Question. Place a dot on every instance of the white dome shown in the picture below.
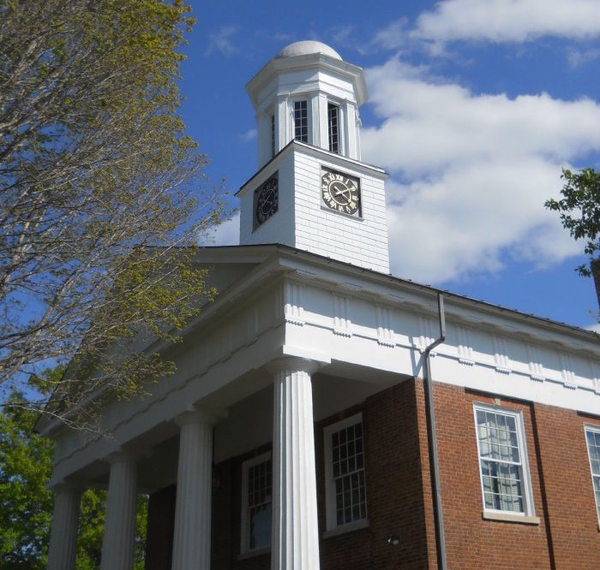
(307, 47)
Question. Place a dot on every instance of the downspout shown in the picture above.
(432, 433)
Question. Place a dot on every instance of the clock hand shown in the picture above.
(342, 191)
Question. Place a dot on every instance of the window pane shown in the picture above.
(260, 526)
(272, 135)
(348, 474)
(333, 127)
(500, 461)
(259, 504)
(301, 121)
(593, 444)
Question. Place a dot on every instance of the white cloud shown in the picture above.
(221, 41)
(249, 135)
(579, 58)
(471, 173)
(509, 20)
(227, 233)
(393, 36)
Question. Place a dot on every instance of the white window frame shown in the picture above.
(338, 108)
(527, 493)
(595, 476)
(272, 127)
(332, 524)
(307, 101)
(245, 530)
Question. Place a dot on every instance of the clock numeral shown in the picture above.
(340, 193)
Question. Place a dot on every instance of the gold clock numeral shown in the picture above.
(340, 193)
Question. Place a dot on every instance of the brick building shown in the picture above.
(326, 414)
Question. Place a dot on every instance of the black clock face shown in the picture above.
(340, 193)
(267, 200)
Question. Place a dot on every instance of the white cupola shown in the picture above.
(308, 93)
(311, 190)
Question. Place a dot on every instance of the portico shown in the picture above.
(249, 383)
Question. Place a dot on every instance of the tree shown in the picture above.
(580, 214)
(26, 504)
(100, 202)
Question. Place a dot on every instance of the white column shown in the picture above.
(295, 535)
(191, 541)
(119, 531)
(351, 130)
(65, 522)
(320, 125)
(284, 132)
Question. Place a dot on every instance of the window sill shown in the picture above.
(255, 552)
(511, 518)
(350, 527)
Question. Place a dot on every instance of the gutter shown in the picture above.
(432, 439)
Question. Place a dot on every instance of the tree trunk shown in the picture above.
(595, 267)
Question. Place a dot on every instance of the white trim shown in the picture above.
(341, 127)
(245, 522)
(330, 502)
(527, 492)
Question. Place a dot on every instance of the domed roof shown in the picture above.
(307, 47)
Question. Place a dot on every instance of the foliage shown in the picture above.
(100, 201)
(26, 504)
(580, 214)
(91, 529)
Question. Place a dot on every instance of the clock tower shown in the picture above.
(312, 191)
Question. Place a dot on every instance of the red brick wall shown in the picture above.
(395, 494)
(395, 483)
(471, 542)
(570, 503)
(399, 495)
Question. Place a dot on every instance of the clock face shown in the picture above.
(340, 193)
(267, 200)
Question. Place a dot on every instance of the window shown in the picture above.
(301, 121)
(333, 127)
(503, 461)
(345, 473)
(272, 136)
(592, 436)
(257, 477)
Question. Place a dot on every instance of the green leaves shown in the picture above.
(26, 504)
(579, 210)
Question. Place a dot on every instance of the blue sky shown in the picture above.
(475, 106)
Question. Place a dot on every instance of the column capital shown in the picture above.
(295, 538)
(199, 415)
(118, 542)
(65, 521)
(124, 455)
(191, 535)
(293, 364)
(63, 486)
